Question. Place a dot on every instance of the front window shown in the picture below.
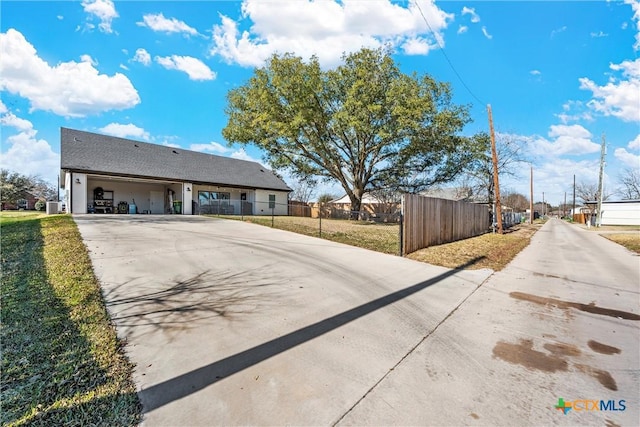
(214, 202)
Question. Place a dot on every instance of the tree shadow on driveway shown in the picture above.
(183, 303)
(183, 385)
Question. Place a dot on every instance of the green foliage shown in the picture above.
(364, 124)
(15, 186)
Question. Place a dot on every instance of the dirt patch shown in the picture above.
(603, 348)
(474, 416)
(524, 354)
(588, 308)
(604, 377)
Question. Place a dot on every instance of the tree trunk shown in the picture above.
(356, 204)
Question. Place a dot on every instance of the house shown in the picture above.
(27, 201)
(106, 174)
(382, 207)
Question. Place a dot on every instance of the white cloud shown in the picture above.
(558, 31)
(25, 153)
(3, 108)
(124, 67)
(241, 154)
(142, 56)
(635, 7)
(417, 46)
(88, 59)
(325, 28)
(125, 131)
(598, 34)
(574, 111)
(171, 144)
(471, 11)
(618, 98)
(629, 159)
(212, 147)
(10, 120)
(486, 33)
(104, 10)
(462, 29)
(567, 140)
(535, 72)
(68, 89)
(635, 144)
(60, 17)
(159, 23)
(196, 69)
(624, 25)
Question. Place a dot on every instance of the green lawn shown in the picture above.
(378, 237)
(62, 363)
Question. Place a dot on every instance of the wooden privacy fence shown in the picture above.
(430, 221)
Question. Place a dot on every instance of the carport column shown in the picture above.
(187, 196)
(78, 193)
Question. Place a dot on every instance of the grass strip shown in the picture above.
(62, 363)
(630, 241)
(497, 249)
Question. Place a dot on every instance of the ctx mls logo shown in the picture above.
(590, 405)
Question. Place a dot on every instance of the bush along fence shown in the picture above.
(430, 221)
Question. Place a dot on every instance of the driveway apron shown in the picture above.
(230, 323)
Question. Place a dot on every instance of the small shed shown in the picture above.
(621, 212)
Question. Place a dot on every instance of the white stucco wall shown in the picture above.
(261, 203)
(187, 198)
(66, 197)
(78, 189)
(621, 213)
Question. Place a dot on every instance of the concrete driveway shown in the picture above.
(231, 323)
(562, 320)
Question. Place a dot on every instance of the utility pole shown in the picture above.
(544, 206)
(564, 206)
(573, 212)
(496, 182)
(603, 151)
(531, 198)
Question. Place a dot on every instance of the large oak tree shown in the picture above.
(364, 124)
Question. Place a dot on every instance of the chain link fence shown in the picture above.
(376, 229)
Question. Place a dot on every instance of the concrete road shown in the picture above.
(231, 323)
(561, 321)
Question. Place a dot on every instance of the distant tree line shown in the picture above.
(15, 186)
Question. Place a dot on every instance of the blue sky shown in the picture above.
(557, 74)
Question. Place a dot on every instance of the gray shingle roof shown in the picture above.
(94, 153)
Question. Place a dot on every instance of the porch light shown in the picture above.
(188, 189)
(77, 180)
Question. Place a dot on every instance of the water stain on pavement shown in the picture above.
(598, 347)
(588, 308)
(562, 349)
(603, 377)
(524, 354)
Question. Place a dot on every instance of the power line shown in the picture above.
(445, 54)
